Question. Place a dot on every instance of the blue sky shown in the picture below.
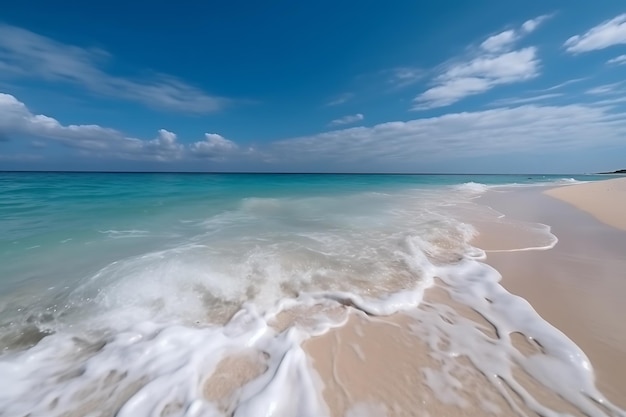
(324, 86)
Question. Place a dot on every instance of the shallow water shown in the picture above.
(122, 293)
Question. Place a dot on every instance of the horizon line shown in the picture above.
(289, 173)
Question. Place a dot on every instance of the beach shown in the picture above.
(313, 295)
(313, 209)
(577, 286)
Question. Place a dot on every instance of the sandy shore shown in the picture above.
(579, 285)
(604, 200)
(383, 366)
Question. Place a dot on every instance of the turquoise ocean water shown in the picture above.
(87, 259)
(56, 228)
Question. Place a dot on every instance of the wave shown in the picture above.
(145, 334)
(472, 187)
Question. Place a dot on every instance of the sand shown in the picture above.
(378, 364)
(604, 200)
(579, 285)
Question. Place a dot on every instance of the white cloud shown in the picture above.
(340, 99)
(164, 147)
(214, 147)
(525, 100)
(461, 136)
(346, 120)
(16, 120)
(24, 53)
(606, 89)
(565, 83)
(608, 33)
(618, 60)
(529, 128)
(479, 75)
(611, 101)
(495, 62)
(499, 42)
(505, 40)
(506, 67)
(532, 24)
(450, 92)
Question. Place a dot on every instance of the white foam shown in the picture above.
(570, 181)
(472, 187)
(547, 238)
(539, 184)
(561, 366)
(143, 335)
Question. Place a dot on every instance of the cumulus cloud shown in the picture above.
(164, 147)
(608, 33)
(500, 131)
(214, 147)
(618, 60)
(495, 62)
(24, 53)
(469, 134)
(16, 120)
(347, 120)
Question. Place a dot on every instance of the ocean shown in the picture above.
(121, 293)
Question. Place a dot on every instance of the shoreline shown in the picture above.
(578, 284)
(482, 311)
(604, 200)
(400, 367)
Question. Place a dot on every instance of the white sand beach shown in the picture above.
(381, 364)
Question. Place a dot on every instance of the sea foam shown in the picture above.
(143, 335)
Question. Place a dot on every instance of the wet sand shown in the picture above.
(579, 285)
(382, 366)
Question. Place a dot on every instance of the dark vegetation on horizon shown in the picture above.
(619, 171)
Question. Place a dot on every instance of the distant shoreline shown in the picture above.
(619, 171)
